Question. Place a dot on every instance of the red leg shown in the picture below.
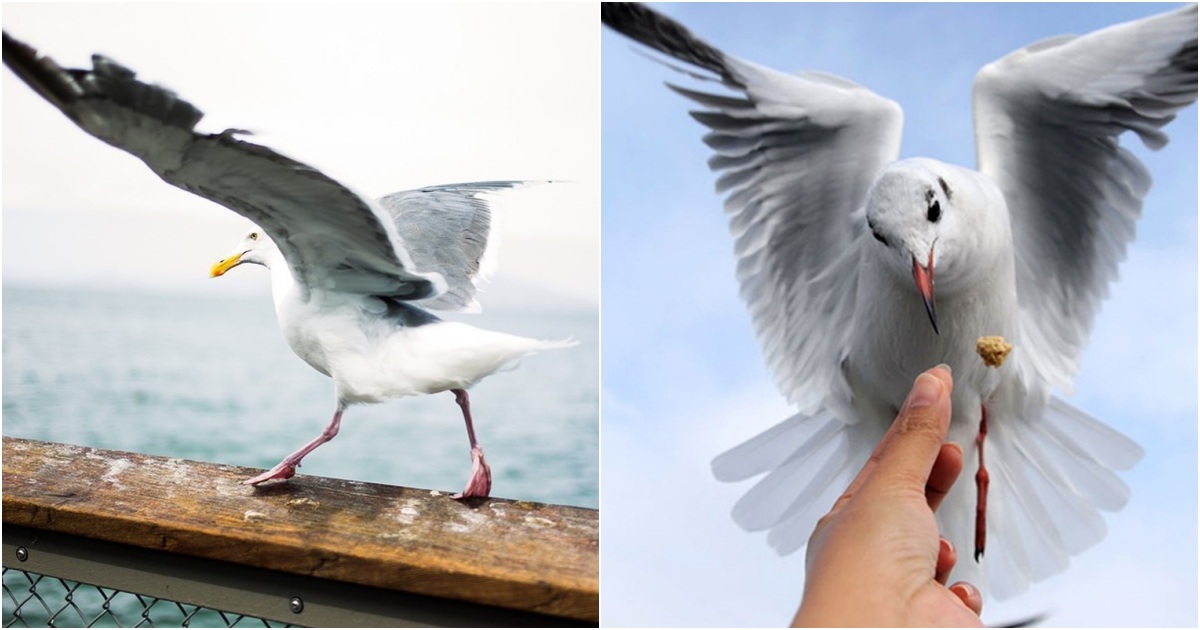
(480, 483)
(981, 485)
(286, 468)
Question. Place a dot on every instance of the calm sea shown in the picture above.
(211, 379)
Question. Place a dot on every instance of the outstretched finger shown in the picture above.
(911, 447)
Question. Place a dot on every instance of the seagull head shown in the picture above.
(912, 215)
(256, 248)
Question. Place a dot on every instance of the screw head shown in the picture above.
(22, 554)
(296, 605)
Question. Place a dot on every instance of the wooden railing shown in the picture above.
(495, 561)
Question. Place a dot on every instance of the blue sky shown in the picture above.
(683, 379)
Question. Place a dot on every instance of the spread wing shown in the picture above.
(1047, 121)
(331, 237)
(449, 230)
(796, 154)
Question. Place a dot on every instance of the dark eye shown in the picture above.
(254, 236)
(935, 212)
(879, 237)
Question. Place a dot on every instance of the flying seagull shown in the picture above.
(351, 278)
(860, 271)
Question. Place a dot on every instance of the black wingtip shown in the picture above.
(42, 74)
(651, 28)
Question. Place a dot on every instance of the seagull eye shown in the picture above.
(935, 212)
(254, 236)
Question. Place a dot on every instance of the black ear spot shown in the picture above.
(935, 212)
(945, 187)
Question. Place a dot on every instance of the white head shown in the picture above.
(927, 215)
(256, 247)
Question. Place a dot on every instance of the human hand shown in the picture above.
(876, 559)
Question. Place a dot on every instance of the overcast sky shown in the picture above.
(683, 379)
(384, 97)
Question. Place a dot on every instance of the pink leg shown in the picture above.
(981, 486)
(480, 483)
(286, 468)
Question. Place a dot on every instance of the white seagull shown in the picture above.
(832, 234)
(351, 278)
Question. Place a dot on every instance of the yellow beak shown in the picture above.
(224, 265)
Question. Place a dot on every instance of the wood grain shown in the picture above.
(516, 554)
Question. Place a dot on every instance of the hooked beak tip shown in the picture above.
(923, 276)
(223, 265)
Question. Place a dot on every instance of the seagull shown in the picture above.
(861, 270)
(352, 279)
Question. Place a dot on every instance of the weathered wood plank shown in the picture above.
(516, 554)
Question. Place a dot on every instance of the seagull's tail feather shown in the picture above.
(555, 344)
(809, 461)
(526, 346)
(1050, 478)
(1051, 475)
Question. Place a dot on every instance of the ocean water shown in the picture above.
(210, 378)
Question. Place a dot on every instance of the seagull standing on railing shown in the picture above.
(351, 278)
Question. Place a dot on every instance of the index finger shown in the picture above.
(910, 447)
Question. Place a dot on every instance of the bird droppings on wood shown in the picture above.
(538, 522)
(408, 515)
(115, 468)
(304, 502)
(252, 515)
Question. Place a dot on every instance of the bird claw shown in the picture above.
(281, 471)
(480, 484)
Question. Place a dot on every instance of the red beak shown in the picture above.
(923, 276)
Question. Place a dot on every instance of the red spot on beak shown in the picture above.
(923, 276)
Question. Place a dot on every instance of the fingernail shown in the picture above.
(966, 588)
(945, 367)
(925, 392)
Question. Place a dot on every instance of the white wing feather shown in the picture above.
(1047, 120)
(796, 154)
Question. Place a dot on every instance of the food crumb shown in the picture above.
(993, 350)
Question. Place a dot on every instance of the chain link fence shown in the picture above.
(32, 600)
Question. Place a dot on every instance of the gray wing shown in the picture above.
(331, 237)
(797, 154)
(1047, 121)
(449, 230)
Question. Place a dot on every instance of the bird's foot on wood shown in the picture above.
(480, 484)
(282, 470)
